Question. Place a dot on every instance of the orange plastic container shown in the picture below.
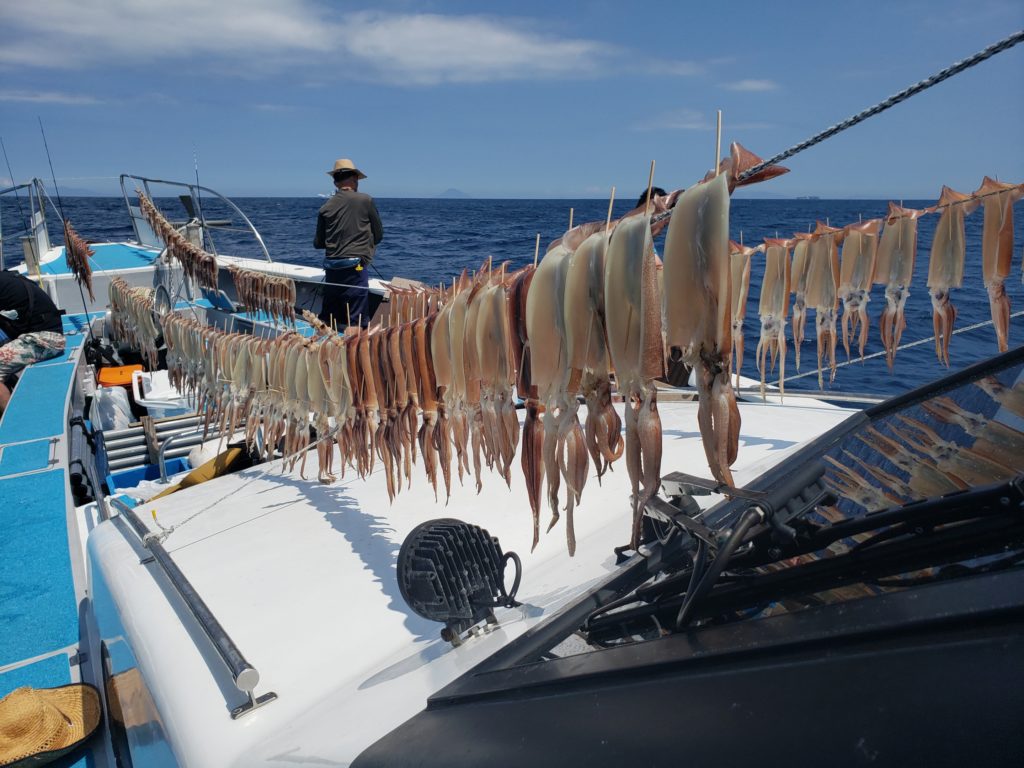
(117, 376)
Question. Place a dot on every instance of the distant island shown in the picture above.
(452, 192)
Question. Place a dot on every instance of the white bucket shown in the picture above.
(154, 392)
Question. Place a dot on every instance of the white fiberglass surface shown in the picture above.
(302, 577)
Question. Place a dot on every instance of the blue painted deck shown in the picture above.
(38, 609)
(45, 673)
(36, 409)
(38, 604)
(24, 457)
(108, 257)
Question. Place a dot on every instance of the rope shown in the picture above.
(974, 327)
(892, 101)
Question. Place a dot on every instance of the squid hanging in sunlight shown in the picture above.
(773, 307)
(739, 265)
(545, 326)
(997, 250)
(798, 286)
(894, 268)
(588, 354)
(698, 325)
(823, 292)
(856, 274)
(946, 264)
(633, 322)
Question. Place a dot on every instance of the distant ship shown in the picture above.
(808, 197)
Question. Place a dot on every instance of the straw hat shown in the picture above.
(344, 164)
(39, 725)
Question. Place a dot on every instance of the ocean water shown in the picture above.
(433, 240)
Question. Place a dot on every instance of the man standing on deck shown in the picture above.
(348, 227)
(30, 329)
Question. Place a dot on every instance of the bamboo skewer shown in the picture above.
(650, 182)
(718, 144)
(611, 202)
(536, 251)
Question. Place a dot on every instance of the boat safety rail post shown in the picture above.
(166, 444)
(245, 676)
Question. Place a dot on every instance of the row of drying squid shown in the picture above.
(442, 373)
(77, 253)
(932, 465)
(199, 265)
(131, 316)
(261, 292)
(872, 255)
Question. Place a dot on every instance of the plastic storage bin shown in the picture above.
(154, 392)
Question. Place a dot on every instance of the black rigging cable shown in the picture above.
(892, 101)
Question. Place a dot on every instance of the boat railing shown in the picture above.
(245, 676)
(192, 201)
(31, 229)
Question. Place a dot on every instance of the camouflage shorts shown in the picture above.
(27, 349)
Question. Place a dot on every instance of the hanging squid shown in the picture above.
(773, 307)
(697, 320)
(856, 275)
(739, 261)
(946, 264)
(823, 292)
(997, 250)
(894, 268)
(545, 324)
(633, 321)
(798, 286)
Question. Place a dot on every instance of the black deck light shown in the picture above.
(454, 572)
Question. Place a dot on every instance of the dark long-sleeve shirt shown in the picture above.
(348, 226)
(35, 310)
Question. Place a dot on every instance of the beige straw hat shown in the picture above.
(39, 725)
(344, 164)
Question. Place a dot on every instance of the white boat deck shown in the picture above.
(302, 577)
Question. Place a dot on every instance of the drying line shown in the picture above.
(974, 327)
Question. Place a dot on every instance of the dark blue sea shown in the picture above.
(434, 239)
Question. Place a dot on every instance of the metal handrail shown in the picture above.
(161, 454)
(244, 674)
(37, 230)
(193, 190)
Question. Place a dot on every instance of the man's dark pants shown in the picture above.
(350, 288)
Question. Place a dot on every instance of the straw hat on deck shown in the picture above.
(39, 725)
(344, 164)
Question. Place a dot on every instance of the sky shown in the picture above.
(511, 100)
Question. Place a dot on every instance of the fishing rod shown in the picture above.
(199, 195)
(17, 197)
(64, 220)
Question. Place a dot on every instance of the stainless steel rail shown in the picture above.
(191, 438)
(194, 191)
(245, 676)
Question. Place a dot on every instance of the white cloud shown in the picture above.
(677, 120)
(426, 49)
(274, 35)
(69, 33)
(753, 85)
(692, 120)
(48, 97)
